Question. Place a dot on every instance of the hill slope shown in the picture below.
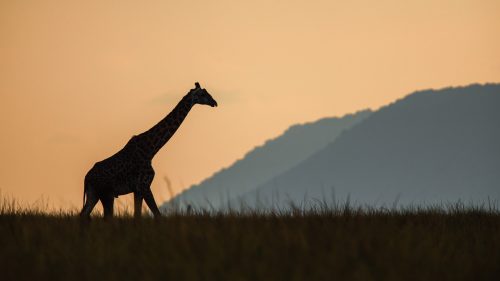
(267, 161)
(430, 147)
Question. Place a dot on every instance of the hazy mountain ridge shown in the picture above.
(432, 146)
(267, 161)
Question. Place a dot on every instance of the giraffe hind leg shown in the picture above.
(107, 204)
(92, 200)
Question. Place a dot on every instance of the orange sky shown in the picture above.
(78, 79)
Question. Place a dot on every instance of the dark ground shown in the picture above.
(343, 244)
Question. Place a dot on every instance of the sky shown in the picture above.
(79, 78)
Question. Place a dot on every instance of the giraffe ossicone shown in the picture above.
(129, 170)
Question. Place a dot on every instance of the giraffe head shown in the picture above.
(200, 96)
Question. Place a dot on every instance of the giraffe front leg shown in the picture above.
(150, 201)
(137, 204)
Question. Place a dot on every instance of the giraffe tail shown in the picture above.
(84, 195)
(85, 184)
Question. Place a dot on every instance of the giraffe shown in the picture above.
(130, 170)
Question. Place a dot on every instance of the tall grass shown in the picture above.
(343, 242)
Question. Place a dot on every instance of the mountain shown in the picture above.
(265, 162)
(431, 147)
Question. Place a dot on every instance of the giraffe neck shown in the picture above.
(155, 138)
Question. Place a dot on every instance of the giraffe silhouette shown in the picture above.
(130, 170)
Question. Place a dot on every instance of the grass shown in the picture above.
(454, 242)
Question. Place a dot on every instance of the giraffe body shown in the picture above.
(129, 170)
(122, 172)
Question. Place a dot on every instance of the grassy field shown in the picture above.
(452, 243)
